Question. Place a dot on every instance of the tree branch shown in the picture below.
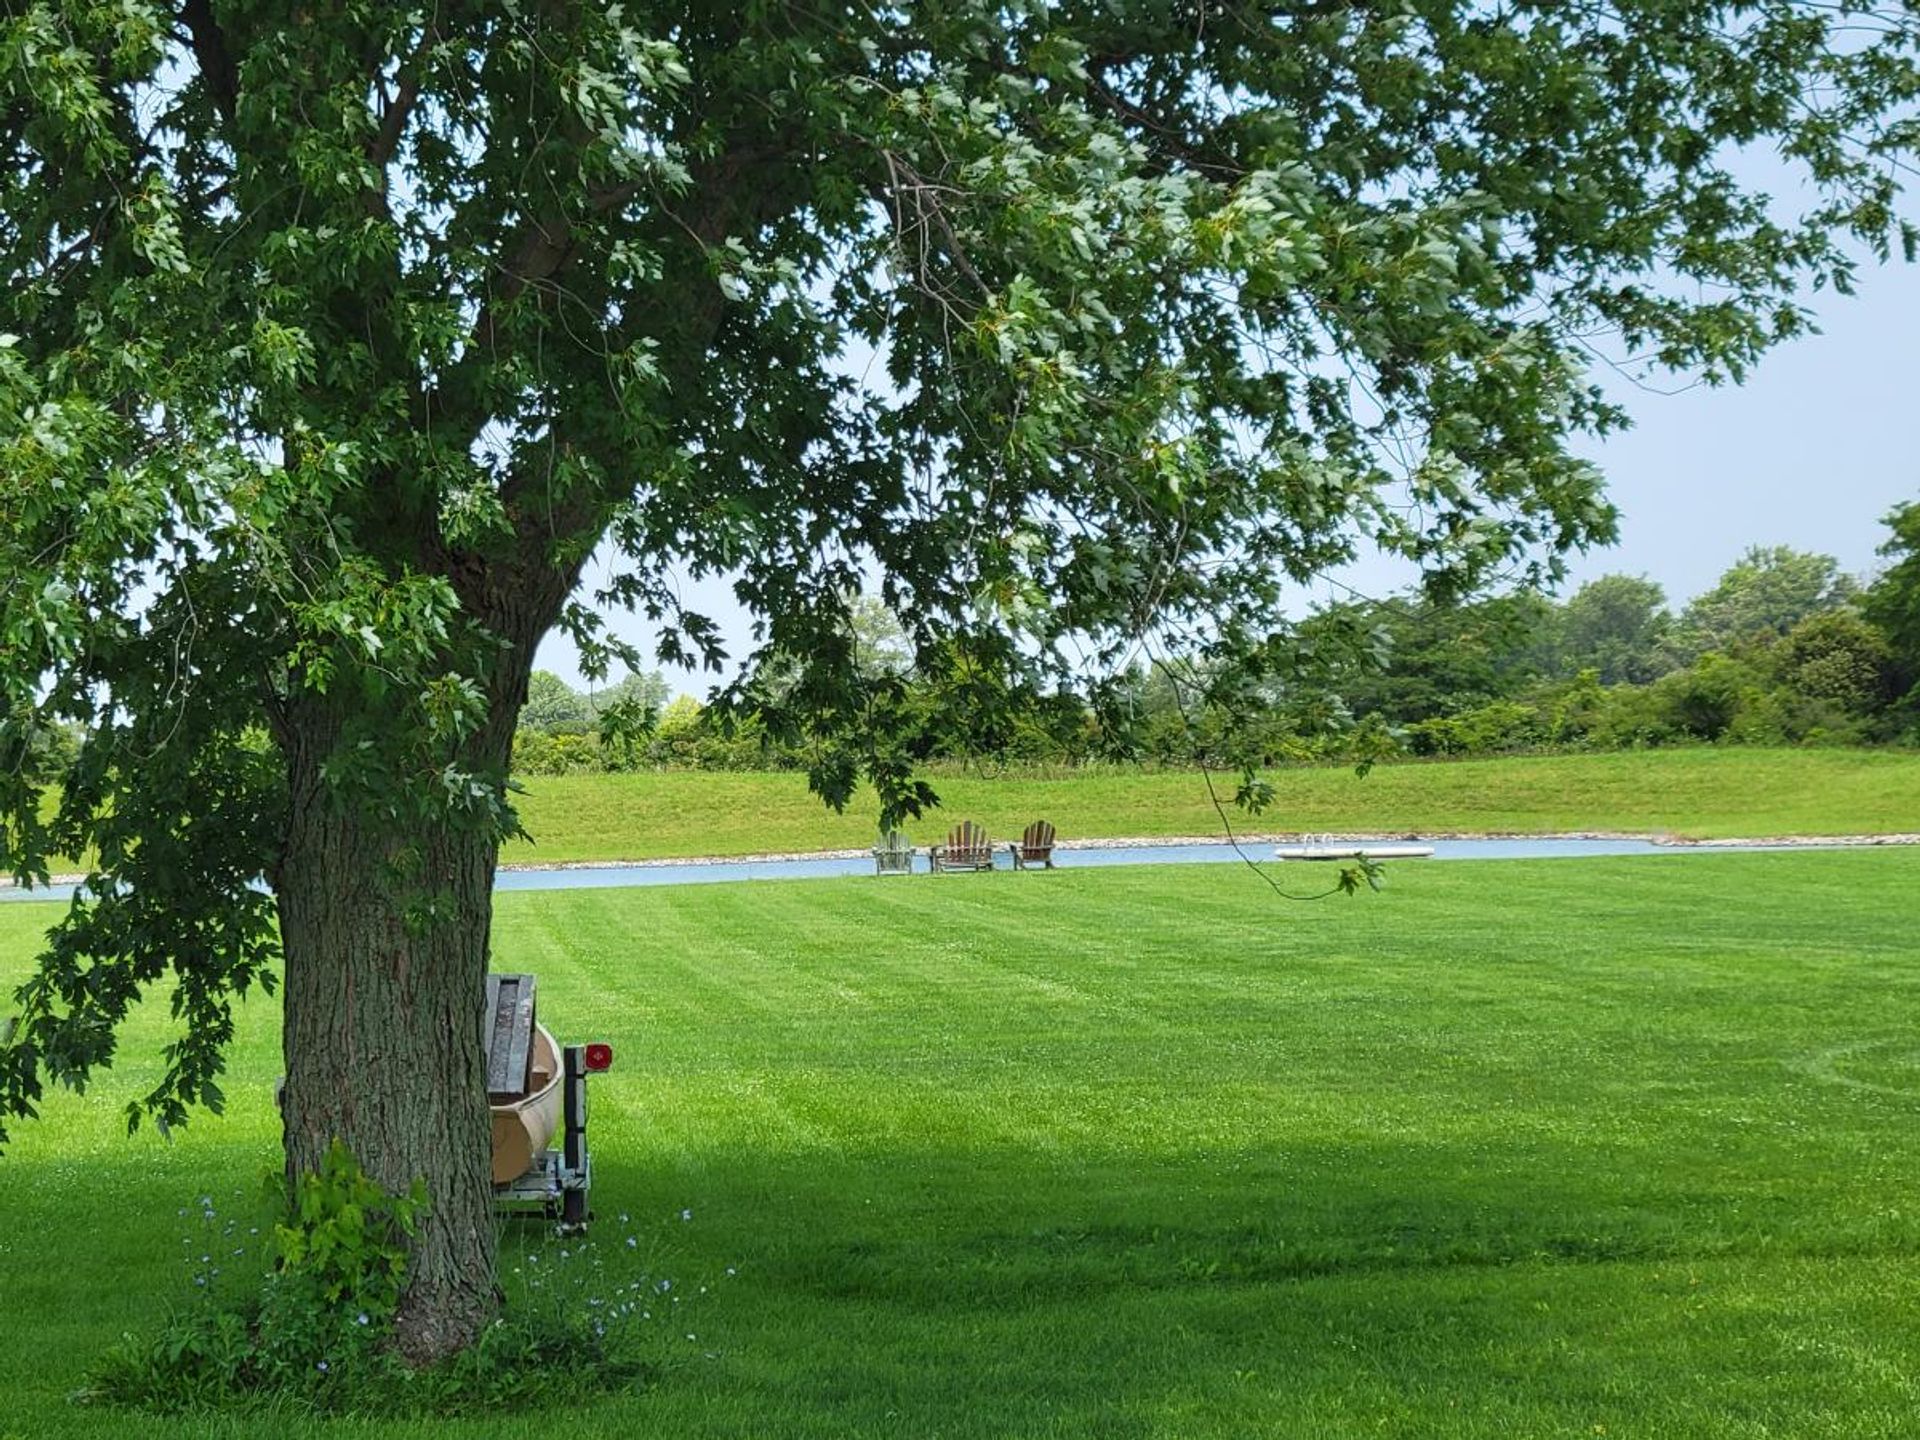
(210, 52)
(399, 107)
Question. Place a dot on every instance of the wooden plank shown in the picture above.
(520, 1051)
(500, 1030)
(486, 1022)
(510, 1035)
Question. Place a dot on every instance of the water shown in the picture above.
(820, 868)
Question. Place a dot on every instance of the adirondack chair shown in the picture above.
(893, 855)
(1035, 847)
(967, 848)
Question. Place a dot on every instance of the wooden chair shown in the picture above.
(967, 848)
(893, 855)
(1035, 847)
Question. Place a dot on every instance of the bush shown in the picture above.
(538, 752)
(1707, 698)
(1501, 725)
(1837, 656)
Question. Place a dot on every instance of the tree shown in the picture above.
(1616, 626)
(340, 336)
(1441, 659)
(1892, 602)
(552, 703)
(646, 691)
(880, 644)
(1765, 593)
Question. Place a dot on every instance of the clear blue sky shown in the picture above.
(1811, 452)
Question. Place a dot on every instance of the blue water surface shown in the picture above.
(824, 867)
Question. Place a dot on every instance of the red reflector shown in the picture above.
(599, 1057)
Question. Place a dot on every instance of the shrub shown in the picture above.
(538, 752)
(1500, 725)
(317, 1333)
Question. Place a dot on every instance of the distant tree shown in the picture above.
(627, 713)
(1765, 593)
(646, 688)
(1616, 626)
(881, 645)
(1440, 659)
(1893, 601)
(552, 704)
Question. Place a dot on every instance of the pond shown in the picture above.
(819, 867)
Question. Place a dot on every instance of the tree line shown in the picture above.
(1785, 648)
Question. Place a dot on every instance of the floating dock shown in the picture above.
(1343, 851)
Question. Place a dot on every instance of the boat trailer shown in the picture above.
(531, 1176)
(555, 1186)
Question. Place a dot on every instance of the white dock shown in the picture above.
(1351, 852)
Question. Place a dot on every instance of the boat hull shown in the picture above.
(523, 1128)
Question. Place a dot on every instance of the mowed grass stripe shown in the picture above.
(1511, 1148)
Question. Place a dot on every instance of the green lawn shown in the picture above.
(1700, 793)
(1621, 1147)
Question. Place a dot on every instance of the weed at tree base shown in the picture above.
(316, 1335)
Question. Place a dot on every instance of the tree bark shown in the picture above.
(385, 982)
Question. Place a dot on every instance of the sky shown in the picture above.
(1816, 447)
(1811, 452)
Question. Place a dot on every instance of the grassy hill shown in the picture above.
(1700, 793)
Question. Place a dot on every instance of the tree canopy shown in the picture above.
(1618, 625)
(1893, 601)
(1768, 591)
(338, 337)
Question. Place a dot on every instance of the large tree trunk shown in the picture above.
(385, 981)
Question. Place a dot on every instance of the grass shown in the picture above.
(1620, 1147)
(1701, 793)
